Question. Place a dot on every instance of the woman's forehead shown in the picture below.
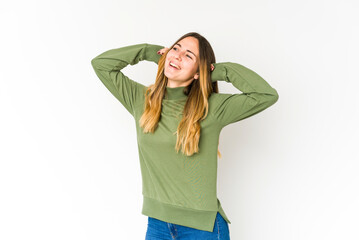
(189, 44)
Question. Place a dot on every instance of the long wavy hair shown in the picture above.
(196, 106)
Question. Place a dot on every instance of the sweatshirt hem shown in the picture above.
(194, 218)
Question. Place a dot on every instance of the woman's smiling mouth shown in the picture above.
(174, 66)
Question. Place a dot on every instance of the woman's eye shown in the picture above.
(174, 48)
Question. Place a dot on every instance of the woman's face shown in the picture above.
(184, 55)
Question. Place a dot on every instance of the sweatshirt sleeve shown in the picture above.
(256, 95)
(108, 66)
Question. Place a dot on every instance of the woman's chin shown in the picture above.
(168, 75)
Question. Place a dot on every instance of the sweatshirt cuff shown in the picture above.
(151, 52)
(218, 73)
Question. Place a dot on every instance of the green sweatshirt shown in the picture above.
(176, 188)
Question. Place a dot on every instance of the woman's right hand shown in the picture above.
(162, 51)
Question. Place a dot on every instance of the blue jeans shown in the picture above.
(160, 230)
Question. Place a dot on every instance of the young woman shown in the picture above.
(178, 121)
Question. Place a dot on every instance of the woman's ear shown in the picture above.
(196, 76)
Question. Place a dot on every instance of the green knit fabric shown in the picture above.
(176, 188)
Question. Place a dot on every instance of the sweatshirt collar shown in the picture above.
(175, 93)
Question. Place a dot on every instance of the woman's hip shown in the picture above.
(157, 229)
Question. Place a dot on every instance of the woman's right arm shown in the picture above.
(108, 66)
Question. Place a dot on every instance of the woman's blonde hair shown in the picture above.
(196, 107)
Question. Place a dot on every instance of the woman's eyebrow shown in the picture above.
(187, 49)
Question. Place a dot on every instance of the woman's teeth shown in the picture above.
(173, 65)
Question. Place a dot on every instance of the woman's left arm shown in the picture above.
(256, 95)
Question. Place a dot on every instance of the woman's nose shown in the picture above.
(178, 55)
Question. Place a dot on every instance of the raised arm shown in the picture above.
(256, 95)
(108, 66)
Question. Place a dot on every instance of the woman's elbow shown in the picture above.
(273, 98)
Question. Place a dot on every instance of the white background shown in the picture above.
(69, 164)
